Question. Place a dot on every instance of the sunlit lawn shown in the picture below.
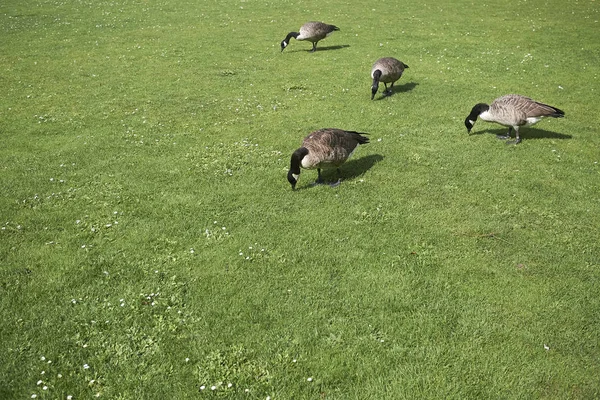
(151, 247)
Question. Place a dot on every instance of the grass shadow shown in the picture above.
(320, 48)
(357, 167)
(336, 47)
(526, 133)
(407, 87)
(350, 170)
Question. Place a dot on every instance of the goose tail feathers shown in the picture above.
(551, 111)
(557, 113)
(359, 136)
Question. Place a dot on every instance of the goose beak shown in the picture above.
(293, 179)
(374, 89)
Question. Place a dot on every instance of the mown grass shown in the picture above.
(151, 245)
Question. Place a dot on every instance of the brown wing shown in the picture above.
(315, 31)
(391, 69)
(524, 107)
(331, 145)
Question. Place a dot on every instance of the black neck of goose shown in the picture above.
(477, 110)
(296, 160)
(291, 35)
(375, 85)
(376, 77)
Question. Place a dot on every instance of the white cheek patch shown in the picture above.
(296, 176)
(284, 44)
(472, 122)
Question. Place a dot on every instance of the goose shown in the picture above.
(386, 70)
(324, 148)
(514, 111)
(311, 31)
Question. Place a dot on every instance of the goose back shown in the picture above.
(391, 69)
(314, 31)
(330, 147)
(517, 110)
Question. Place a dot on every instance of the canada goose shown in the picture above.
(311, 31)
(386, 70)
(514, 111)
(325, 148)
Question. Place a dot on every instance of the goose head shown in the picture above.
(293, 177)
(375, 85)
(475, 112)
(295, 162)
(286, 41)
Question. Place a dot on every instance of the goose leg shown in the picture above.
(319, 178)
(339, 179)
(386, 91)
(507, 136)
(314, 47)
(518, 139)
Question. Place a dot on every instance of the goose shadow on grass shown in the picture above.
(525, 133)
(407, 87)
(321, 48)
(336, 47)
(350, 170)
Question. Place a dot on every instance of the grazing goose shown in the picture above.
(514, 111)
(386, 70)
(325, 148)
(311, 31)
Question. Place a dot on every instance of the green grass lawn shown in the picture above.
(152, 248)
